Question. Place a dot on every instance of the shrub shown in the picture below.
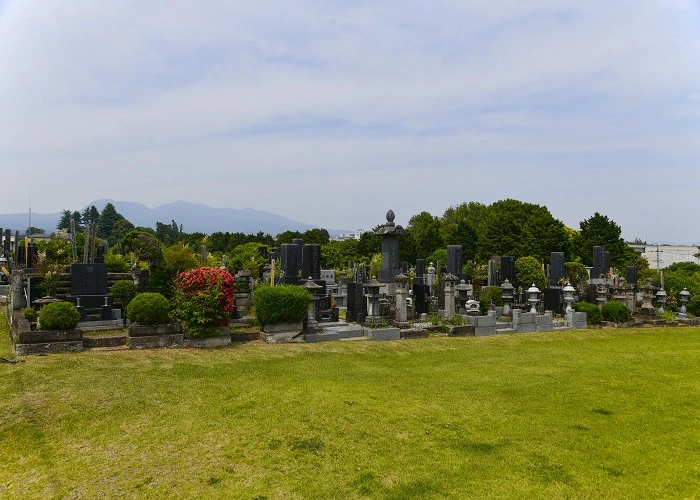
(693, 305)
(593, 316)
(124, 291)
(59, 316)
(204, 298)
(281, 303)
(30, 314)
(488, 294)
(148, 309)
(615, 311)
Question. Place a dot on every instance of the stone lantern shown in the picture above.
(569, 299)
(450, 280)
(311, 286)
(372, 294)
(463, 294)
(401, 295)
(685, 297)
(507, 289)
(431, 277)
(647, 309)
(661, 300)
(533, 293)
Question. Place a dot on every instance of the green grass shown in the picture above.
(605, 413)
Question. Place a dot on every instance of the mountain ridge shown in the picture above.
(194, 217)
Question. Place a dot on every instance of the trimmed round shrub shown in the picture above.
(528, 270)
(281, 304)
(593, 316)
(148, 309)
(123, 291)
(616, 312)
(59, 316)
(488, 294)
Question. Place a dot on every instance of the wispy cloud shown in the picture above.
(580, 106)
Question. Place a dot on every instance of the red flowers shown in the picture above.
(205, 297)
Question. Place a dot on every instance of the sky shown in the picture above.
(331, 113)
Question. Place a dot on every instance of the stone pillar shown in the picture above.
(401, 310)
(17, 288)
(450, 280)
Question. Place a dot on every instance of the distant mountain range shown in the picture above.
(194, 217)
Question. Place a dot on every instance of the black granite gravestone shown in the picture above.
(606, 261)
(420, 272)
(508, 269)
(597, 262)
(350, 303)
(631, 275)
(88, 279)
(289, 263)
(553, 300)
(311, 261)
(556, 268)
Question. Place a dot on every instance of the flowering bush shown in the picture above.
(204, 297)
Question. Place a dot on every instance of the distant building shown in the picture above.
(353, 235)
(662, 256)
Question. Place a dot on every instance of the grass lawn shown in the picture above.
(584, 414)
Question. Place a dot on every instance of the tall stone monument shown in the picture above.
(391, 266)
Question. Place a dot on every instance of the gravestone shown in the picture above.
(32, 256)
(420, 272)
(21, 256)
(7, 243)
(556, 268)
(553, 300)
(360, 302)
(631, 275)
(88, 291)
(289, 263)
(391, 266)
(88, 279)
(597, 262)
(262, 251)
(508, 269)
(420, 298)
(275, 253)
(455, 261)
(351, 305)
(299, 243)
(311, 261)
(493, 272)
(606, 261)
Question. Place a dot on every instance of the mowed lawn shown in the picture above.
(585, 414)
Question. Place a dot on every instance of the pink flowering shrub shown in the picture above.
(205, 299)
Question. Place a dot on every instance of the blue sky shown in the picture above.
(331, 113)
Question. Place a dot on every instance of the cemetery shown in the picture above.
(394, 300)
(268, 373)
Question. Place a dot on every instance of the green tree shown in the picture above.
(599, 230)
(542, 234)
(90, 214)
(316, 236)
(144, 246)
(461, 225)
(528, 270)
(422, 237)
(370, 244)
(64, 221)
(287, 237)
